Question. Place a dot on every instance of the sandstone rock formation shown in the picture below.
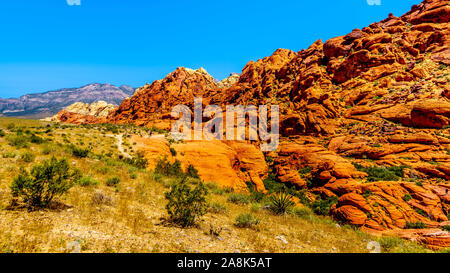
(366, 114)
(82, 113)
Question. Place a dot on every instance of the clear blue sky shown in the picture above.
(47, 44)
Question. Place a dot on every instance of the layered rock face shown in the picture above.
(84, 113)
(366, 115)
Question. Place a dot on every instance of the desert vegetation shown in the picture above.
(77, 189)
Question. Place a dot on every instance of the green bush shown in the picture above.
(415, 225)
(446, 228)
(36, 139)
(87, 181)
(2, 134)
(322, 207)
(113, 181)
(79, 152)
(9, 155)
(281, 203)
(186, 203)
(27, 157)
(46, 181)
(217, 208)
(303, 213)
(238, 198)
(138, 161)
(376, 173)
(246, 220)
(18, 141)
(164, 167)
(407, 197)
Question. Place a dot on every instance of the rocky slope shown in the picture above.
(49, 103)
(366, 115)
(82, 113)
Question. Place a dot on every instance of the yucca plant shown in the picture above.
(281, 202)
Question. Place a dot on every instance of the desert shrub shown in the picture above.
(78, 152)
(11, 126)
(104, 170)
(87, 181)
(46, 181)
(407, 197)
(246, 220)
(393, 173)
(192, 172)
(217, 208)
(255, 195)
(18, 141)
(27, 157)
(390, 243)
(272, 184)
(156, 177)
(173, 152)
(322, 207)
(446, 228)
(47, 149)
(303, 213)
(133, 175)
(281, 203)
(138, 161)
(9, 155)
(415, 225)
(186, 203)
(112, 181)
(164, 167)
(214, 188)
(36, 139)
(2, 134)
(238, 198)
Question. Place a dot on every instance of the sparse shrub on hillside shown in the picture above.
(36, 139)
(113, 181)
(87, 181)
(186, 203)
(217, 208)
(27, 157)
(446, 228)
(322, 207)
(173, 152)
(281, 203)
(18, 141)
(45, 182)
(47, 149)
(415, 225)
(2, 134)
(192, 172)
(303, 213)
(164, 167)
(238, 198)
(9, 155)
(246, 220)
(138, 161)
(407, 197)
(393, 173)
(78, 152)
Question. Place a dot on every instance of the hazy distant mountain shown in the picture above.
(46, 104)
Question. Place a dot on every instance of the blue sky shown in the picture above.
(47, 44)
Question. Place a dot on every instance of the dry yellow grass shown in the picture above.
(127, 217)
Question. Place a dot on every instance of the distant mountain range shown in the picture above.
(40, 105)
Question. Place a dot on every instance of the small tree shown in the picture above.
(186, 203)
(46, 181)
